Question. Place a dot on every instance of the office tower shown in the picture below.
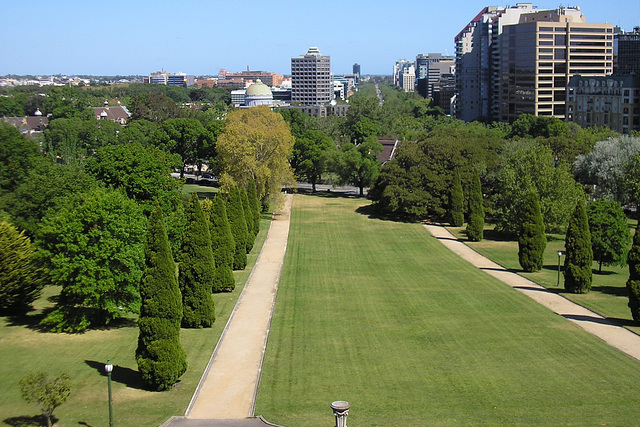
(627, 53)
(429, 70)
(404, 75)
(539, 55)
(311, 82)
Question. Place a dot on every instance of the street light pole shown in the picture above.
(108, 368)
(558, 281)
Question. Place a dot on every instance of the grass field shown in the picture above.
(380, 314)
(23, 348)
(608, 296)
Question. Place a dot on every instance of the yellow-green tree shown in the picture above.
(256, 143)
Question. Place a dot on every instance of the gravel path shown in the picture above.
(593, 323)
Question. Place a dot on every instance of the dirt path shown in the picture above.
(599, 326)
(229, 384)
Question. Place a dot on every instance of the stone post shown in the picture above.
(340, 411)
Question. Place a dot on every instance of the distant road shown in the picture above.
(379, 94)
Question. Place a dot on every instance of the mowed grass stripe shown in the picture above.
(382, 315)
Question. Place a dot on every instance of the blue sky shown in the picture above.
(200, 37)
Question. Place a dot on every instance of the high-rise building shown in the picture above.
(311, 81)
(627, 53)
(169, 79)
(404, 75)
(539, 55)
(430, 68)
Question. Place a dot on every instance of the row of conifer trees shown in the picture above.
(218, 235)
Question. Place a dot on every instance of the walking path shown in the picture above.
(230, 382)
(599, 326)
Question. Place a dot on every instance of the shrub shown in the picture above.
(531, 238)
(579, 259)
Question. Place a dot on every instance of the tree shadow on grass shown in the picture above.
(611, 290)
(498, 236)
(120, 374)
(27, 421)
(371, 212)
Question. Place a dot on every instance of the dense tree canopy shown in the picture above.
(610, 236)
(312, 153)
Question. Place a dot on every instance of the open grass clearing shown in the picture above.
(382, 315)
(608, 295)
(23, 349)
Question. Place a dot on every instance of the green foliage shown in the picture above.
(248, 218)
(358, 165)
(93, 248)
(633, 284)
(17, 156)
(66, 102)
(154, 107)
(10, 107)
(531, 238)
(140, 131)
(45, 392)
(610, 236)
(456, 201)
(525, 165)
(20, 282)
(579, 255)
(197, 269)
(311, 155)
(239, 228)
(528, 125)
(160, 357)
(475, 223)
(222, 244)
(71, 140)
(187, 138)
(254, 205)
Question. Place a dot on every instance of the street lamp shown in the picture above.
(108, 368)
(560, 253)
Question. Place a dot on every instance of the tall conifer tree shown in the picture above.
(633, 284)
(160, 357)
(223, 246)
(238, 228)
(248, 218)
(475, 224)
(197, 269)
(579, 258)
(531, 238)
(254, 203)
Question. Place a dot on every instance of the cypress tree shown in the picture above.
(238, 228)
(248, 218)
(222, 245)
(579, 259)
(531, 238)
(20, 282)
(197, 269)
(456, 201)
(160, 357)
(254, 203)
(475, 224)
(633, 284)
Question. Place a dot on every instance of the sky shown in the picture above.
(138, 37)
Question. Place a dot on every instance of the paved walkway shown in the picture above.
(599, 326)
(228, 387)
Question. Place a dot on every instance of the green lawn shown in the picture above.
(608, 296)
(380, 314)
(24, 349)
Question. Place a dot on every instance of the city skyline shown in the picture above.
(200, 38)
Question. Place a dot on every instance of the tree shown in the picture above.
(154, 107)
(579, 255)
(256, 143)
(604, 168)
(160, 357)
(248, 218)
(610, 236)
(222, 243)
(531, 238)
(17, 156)
(358, 165)
(187, 138)
(456, 201)
(633, 284)
(94, 248)
(475, 223)
(20, 282)
(311, 154)
(197, 269)
(238, 228)
(45, 392)
(254, 206)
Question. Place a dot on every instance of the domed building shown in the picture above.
(258, 94)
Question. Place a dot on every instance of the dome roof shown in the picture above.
(258, 89)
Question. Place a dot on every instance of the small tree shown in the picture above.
(222, 245)
(475, 224)
(579, 258)
(238, 228)
(633, 284)
(610, 236)
(248, 218)
(456, 201)
(160, 357)
(531, 238)
(20, 282)
(254, 203)
(45, 392)
(197, 269)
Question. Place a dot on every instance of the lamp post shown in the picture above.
(560, 253)
(108, 368)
